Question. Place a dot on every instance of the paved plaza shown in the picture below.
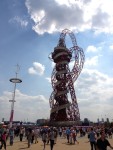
(60, 145)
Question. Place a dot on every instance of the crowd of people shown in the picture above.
(97, 136)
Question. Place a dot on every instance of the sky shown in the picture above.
(29, 31)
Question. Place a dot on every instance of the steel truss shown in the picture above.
(63, 79)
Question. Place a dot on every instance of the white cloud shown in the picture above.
(94, 94)
(48, 79)
(53, 64)
(92, 61)
(31, 70)
(111, 47)
(37, 69)
(26, 106)
(76, 15)
(91, 48)
(66, 2)
(20, 21)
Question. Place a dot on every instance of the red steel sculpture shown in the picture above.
(63, 79)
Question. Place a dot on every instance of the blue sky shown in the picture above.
(29, 31)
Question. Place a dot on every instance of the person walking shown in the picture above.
(68, 132)
(60, 131)
(36, 134)
(44, 138)
(32, 140)
(11, 135)
(74, 135)
(55, 135)
(21, 134)
(48, 135)
(102, 142)
(3, 140)
(92, 139)
(29, 136)
(52, 136)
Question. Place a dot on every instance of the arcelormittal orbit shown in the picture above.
(63, 101)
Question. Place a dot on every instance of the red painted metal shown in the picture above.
(62, 79)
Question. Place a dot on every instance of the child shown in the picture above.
(74, 136)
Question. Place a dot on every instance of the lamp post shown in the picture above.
(15, 81)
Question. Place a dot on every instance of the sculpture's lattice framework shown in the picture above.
(63, 79)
